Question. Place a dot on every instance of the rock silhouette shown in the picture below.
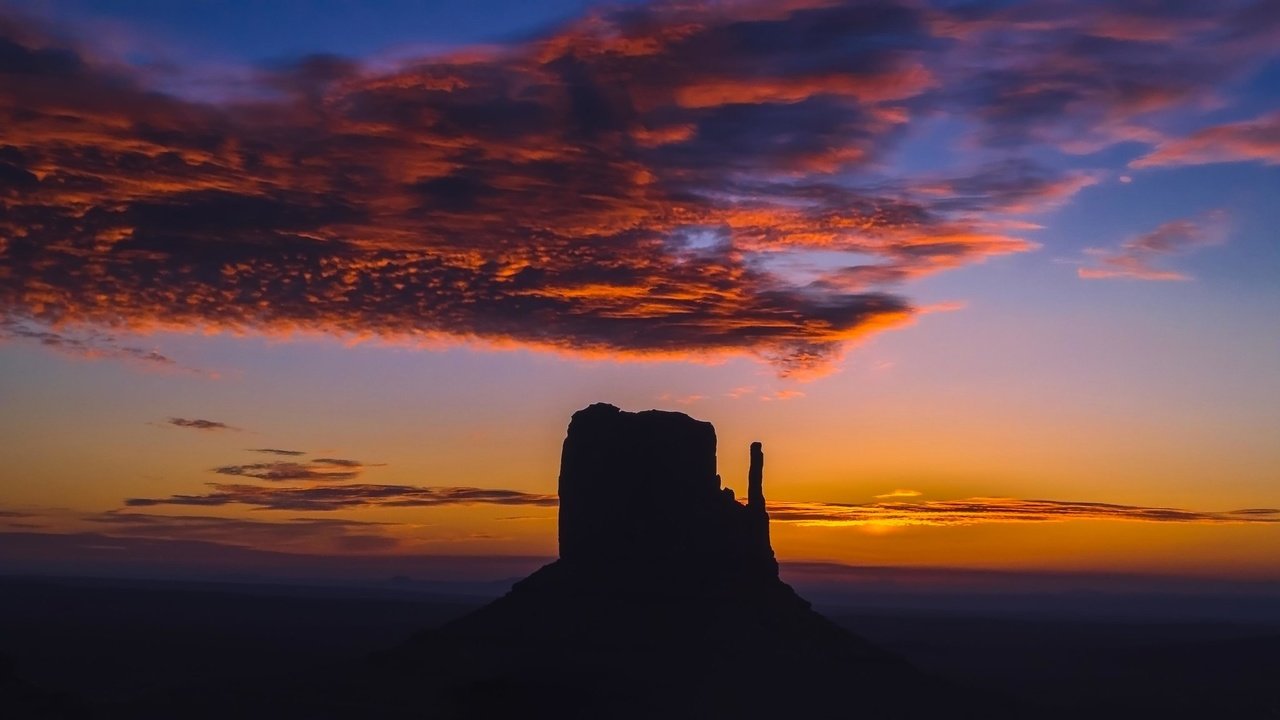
(665, 602)
(640, 498)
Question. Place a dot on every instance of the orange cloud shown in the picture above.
(1256, 140)
(900, 493)
(783, 395)
(896, 84)
(1135, 258)
(319, 469)
(292, 535)
(623, 187)
(974, 511)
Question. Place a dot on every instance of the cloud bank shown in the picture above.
(648, 181)
(325, 533)
(970, 511)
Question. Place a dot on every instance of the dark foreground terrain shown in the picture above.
(97, 648)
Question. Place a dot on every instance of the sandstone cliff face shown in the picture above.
(639, 493)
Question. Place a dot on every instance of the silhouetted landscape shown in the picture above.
(665, 602)
(114, 649)
(329, 333)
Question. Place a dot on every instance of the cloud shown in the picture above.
(107, 551)
(331, 534)
(89, 345)
(277, 451)
(340, 497)
(900, 494)
(1136, 258)
(681, 399)
(642, 182)
(544, 194)
(783, 395)
(975, 511)
(1256, 140)
(1085, 75)
(945, 513)
(1015, 185)
(320, 469)
(199, 424)
(18, 519)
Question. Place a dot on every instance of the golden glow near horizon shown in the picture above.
(995, 290)
(386, 467)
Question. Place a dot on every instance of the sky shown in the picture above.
(995, 283)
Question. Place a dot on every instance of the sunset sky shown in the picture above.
(996, 283)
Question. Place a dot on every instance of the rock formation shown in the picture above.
(640, 497)
(665, 602)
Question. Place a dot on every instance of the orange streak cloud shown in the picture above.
(1256, 140)
(973, 511)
